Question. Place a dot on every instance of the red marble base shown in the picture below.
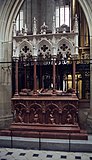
(46, 131)
(46, 115)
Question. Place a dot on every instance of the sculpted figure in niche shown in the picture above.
(69, 118)
(36, 117)
(51, 118)
(75, 118)
(19, 117)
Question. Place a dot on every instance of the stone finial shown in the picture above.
(64, 30)
(76, 24)
(34, 26)
(44, 28)
(25, 30)
(14, 28)
(21, 32)
(53, 26)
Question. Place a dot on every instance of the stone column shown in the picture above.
(54, 73)
(25, 82)
(73, 74)
(35, 74)
(73, 12)
(16, 77)
(40, 85)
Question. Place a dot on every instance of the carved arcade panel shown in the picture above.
(46, 112)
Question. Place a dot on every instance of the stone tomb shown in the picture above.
(46, 115)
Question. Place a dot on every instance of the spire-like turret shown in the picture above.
(25, 30)
(34, 27)
(53, 26)
(76, 24)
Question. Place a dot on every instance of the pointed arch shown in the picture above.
(44, 41)
(44, 46)
(23, 44)
(52, 113)
(52, 106)
(10, 10)
(68, 43)
(35, 105)
(20, 105)
(69, 105)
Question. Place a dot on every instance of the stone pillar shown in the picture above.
(73, 74)
(41, 85)
(73, 12)
(25, 82)
(35, 74)
(54, 73)
(16, 77)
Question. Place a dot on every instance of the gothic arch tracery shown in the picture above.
(25, 49)
(64, 46)
(10, 15)
(44, 48)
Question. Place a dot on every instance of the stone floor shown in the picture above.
(22, 154)
(46, 149)
(65, 145)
